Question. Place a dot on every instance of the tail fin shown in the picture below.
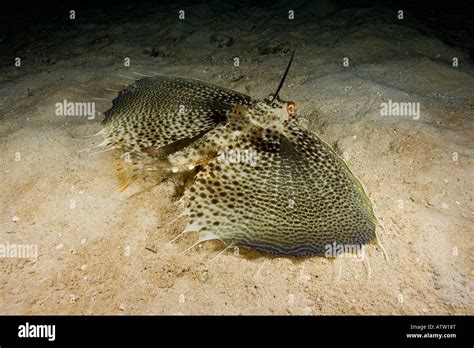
(133, 164)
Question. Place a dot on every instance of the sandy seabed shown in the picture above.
(101, 251)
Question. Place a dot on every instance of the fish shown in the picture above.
(259, 179)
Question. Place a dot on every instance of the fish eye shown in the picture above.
(291, 109)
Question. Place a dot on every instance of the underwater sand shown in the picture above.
(107, 252)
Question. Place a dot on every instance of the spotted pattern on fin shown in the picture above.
(297, 199)
(158, 111)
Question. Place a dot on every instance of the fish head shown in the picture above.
(272, 111)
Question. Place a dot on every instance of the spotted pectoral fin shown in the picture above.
(286, 194)
(158, 111)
